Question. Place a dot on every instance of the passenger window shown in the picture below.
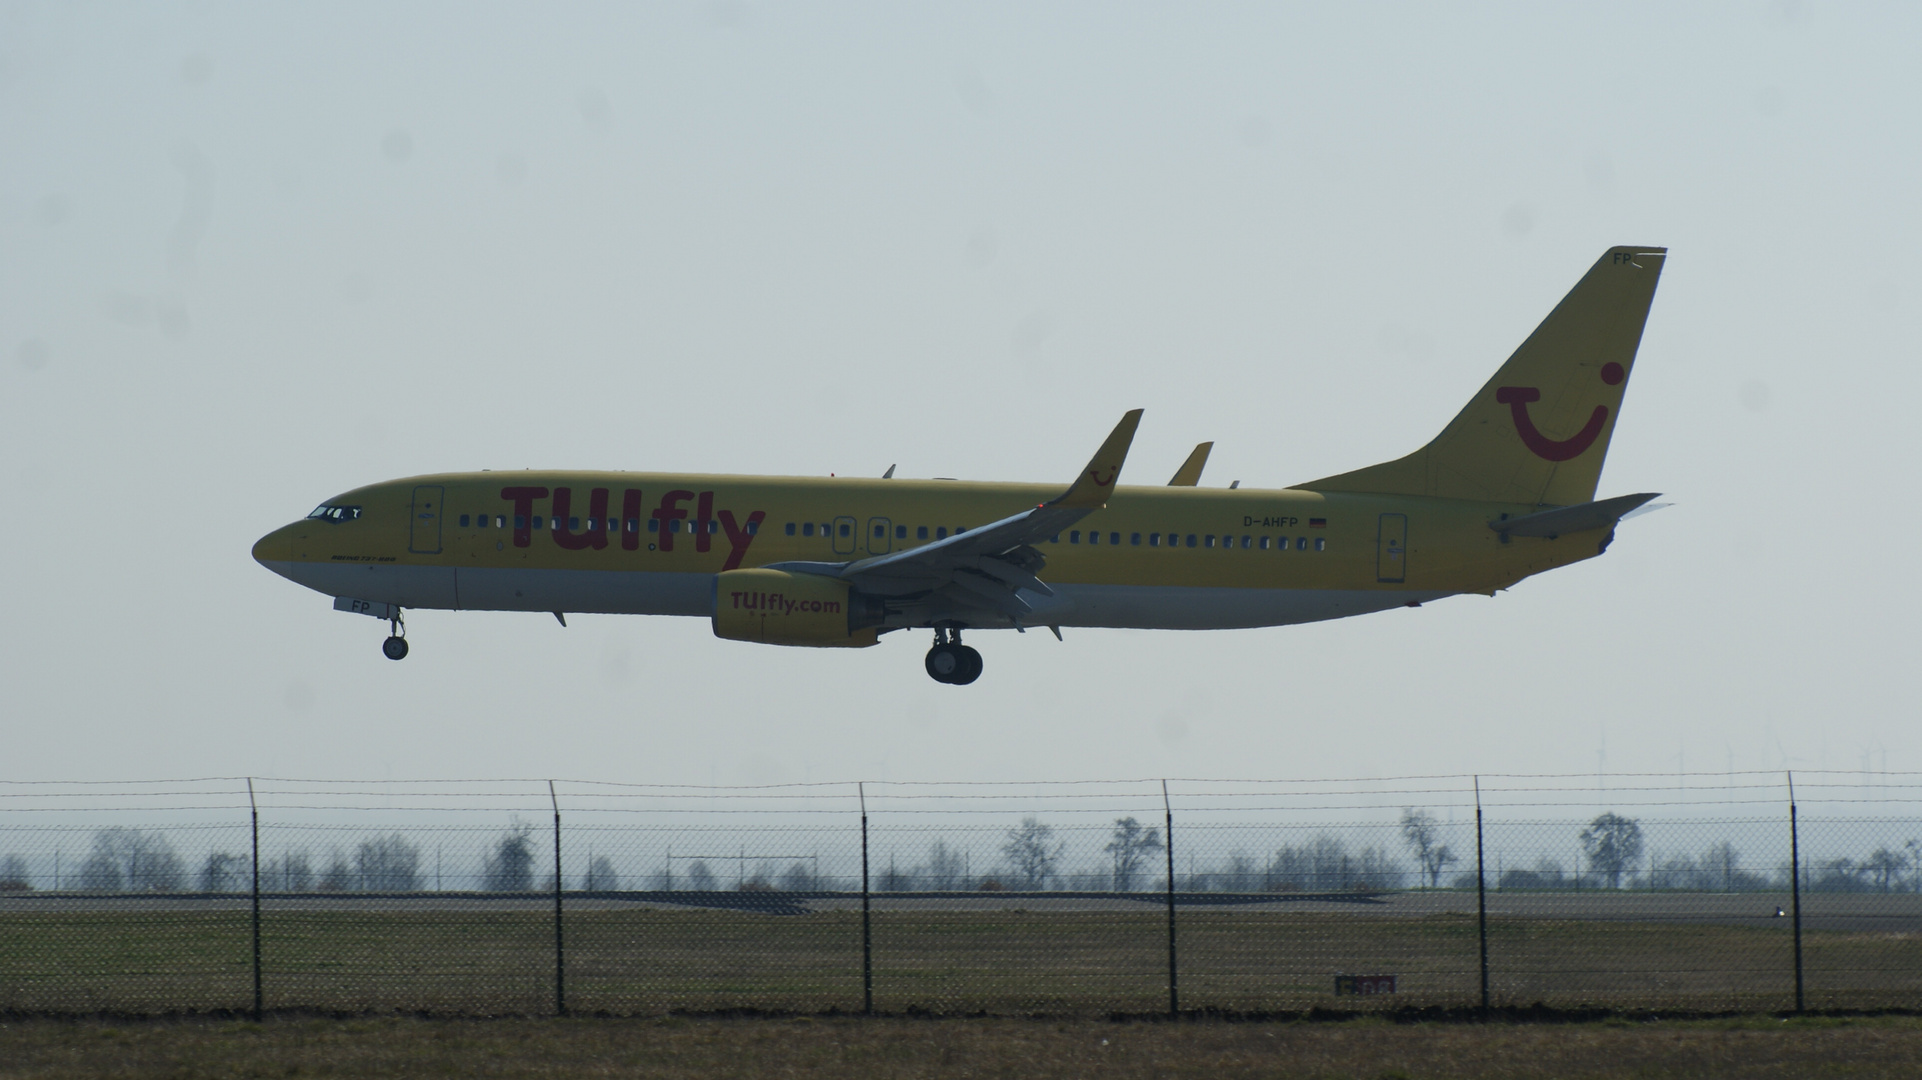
(1114, 538)
(1191, 539)
(941, 532)
(900, 532)
(847, 530)
(1074, 536)
(653, 525)
(1094, 537)
(463, 521)
(1154, 539)
(1264, 543)
(807, 529)
(1134, 539)
(500, 521)
(674, 526)
(1055, 539)
(1301, 543)
(1321, 544)
(921, 532)
(537, 522)
(574, 524)
(1208, 541)
(753, 528)
(880, 532)
(520, 521)
(790, 528)
(1247, 542)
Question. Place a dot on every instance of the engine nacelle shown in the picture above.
(775, 607)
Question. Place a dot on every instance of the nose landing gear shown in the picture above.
(951, 662)
(395, 647)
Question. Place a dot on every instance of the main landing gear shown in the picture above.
(395, 647)
(950, 661)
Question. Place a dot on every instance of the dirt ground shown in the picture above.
(1755, 1047)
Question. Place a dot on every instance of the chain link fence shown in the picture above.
(1708, 893)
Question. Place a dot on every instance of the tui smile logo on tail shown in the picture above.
(1518, 398)
(1095, 475)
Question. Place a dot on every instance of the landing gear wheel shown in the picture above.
(946, 662)
(970, 666)
(394, 648)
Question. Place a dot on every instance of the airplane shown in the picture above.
(1506, 491)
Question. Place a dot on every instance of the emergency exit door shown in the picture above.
(1391, 549)
(844, 538)
(423, 538)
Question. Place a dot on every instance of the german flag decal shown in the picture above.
(1317, 523)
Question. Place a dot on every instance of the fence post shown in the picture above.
(1481, 892)
(1168, 821)
(253, 809)
(560, 955)
(1795, 889)
(867, 929)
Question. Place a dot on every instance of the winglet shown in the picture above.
(1190, 472)
(1096, 482)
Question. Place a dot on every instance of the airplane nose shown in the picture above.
(275, 547)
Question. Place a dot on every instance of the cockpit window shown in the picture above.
(330, 512)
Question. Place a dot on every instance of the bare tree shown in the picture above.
(131, 860)
(947, 867)
(1030, 853)
(1612, 844)
(292, 872)
(1885, 867)
(1719, 866)
(798, 877)
(600, 875)
(509, 867)
(1130, 847)
(338, 877)
(223, 872)
(1423, 835)
(699, 877)
(388, 864)
(13, 875)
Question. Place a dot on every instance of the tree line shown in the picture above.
(1031, 857)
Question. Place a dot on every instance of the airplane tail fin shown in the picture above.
(1538, 431)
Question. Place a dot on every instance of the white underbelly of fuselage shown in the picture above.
(631, 592)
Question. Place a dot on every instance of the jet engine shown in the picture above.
(775, 607)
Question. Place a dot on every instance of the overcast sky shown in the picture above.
(252, 256)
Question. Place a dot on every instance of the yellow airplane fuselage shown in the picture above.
(652, 544)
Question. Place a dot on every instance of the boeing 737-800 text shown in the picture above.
(1505, 491)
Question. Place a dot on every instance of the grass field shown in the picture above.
(642, 961)
(1753, 1049)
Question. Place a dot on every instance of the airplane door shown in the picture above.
(1391, 549)
(880, 536)
(423, 538)
(844, 536)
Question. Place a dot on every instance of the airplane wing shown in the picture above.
(1190, 472)
(983, 570)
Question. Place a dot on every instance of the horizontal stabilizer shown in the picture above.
(1572, 519)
